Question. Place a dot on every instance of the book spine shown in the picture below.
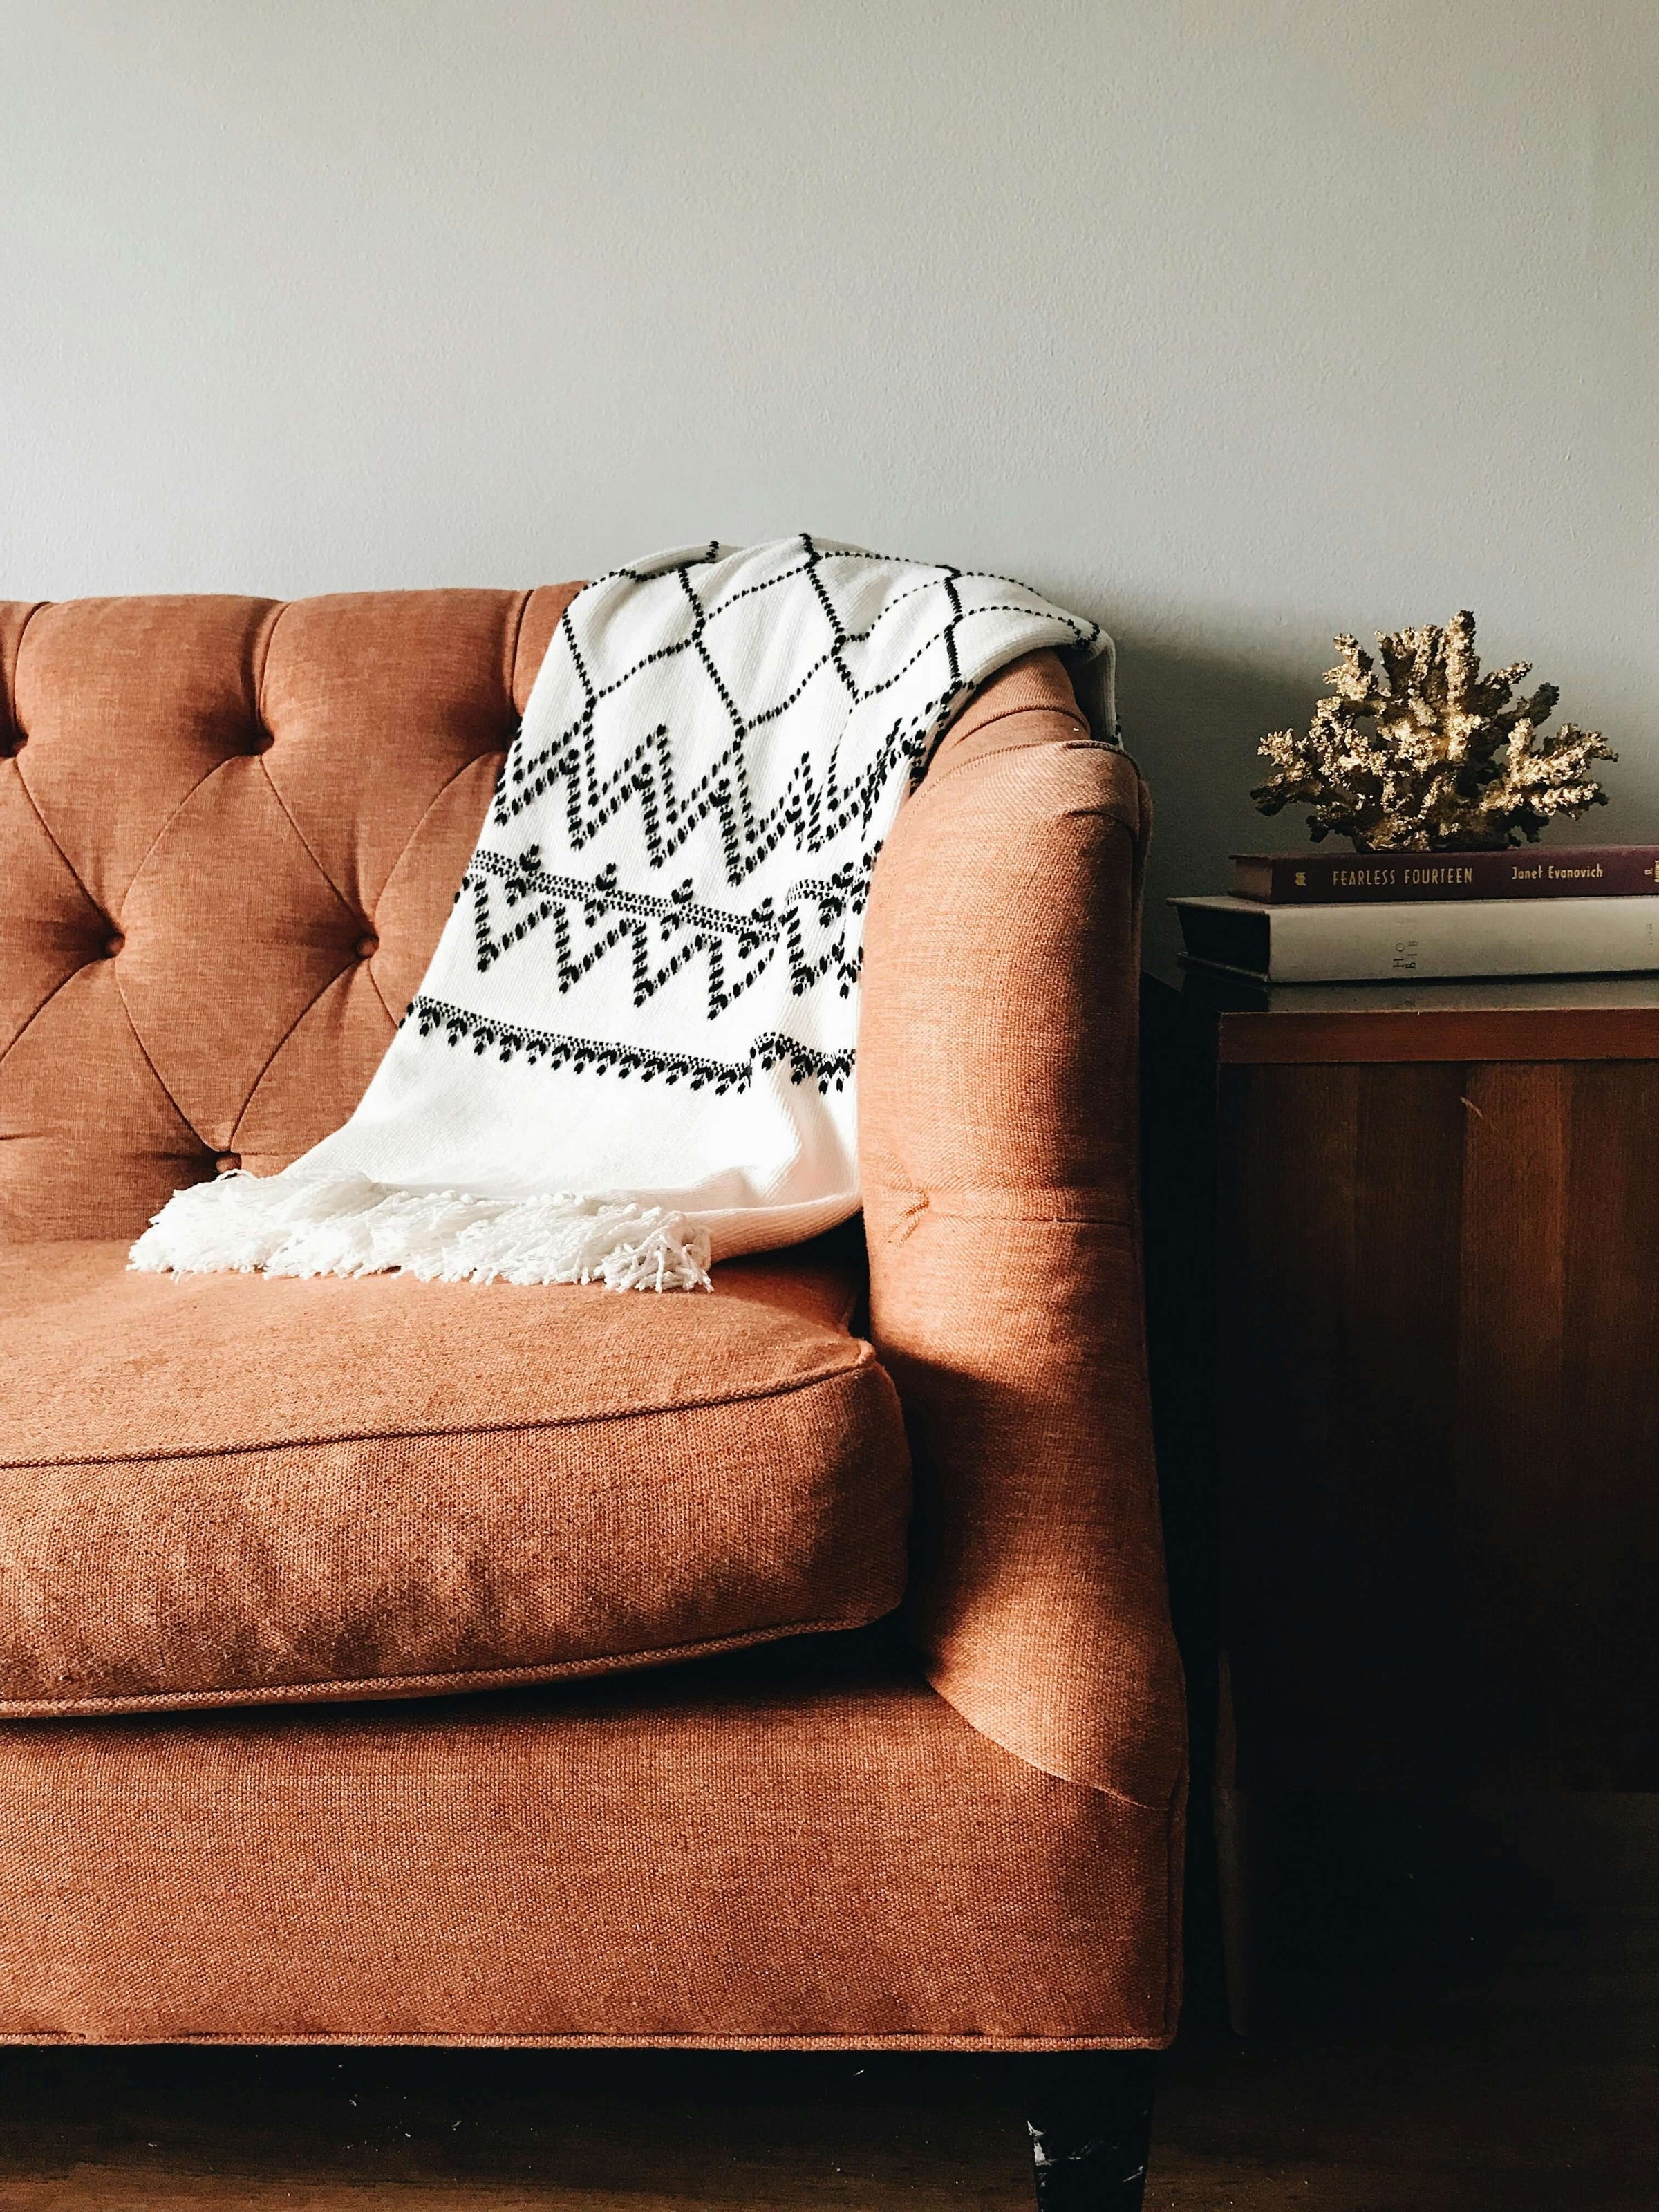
(1341, 944)
(1363, 879)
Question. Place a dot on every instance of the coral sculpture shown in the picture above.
(1408, 758)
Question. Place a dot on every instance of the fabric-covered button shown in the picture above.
(112, 943)
(367, 946)
(12, 744)
(226, 1161)
(261, 741)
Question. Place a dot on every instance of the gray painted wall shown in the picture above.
(1233, 325)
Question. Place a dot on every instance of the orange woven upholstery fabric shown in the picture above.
(657, 1859)
(241, 1490)
(229, 833)
(998, 1155)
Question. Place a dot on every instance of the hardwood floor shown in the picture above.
(1464, 2012)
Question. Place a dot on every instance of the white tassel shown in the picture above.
(349, 1225)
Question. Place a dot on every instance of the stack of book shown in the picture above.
(1377, 917)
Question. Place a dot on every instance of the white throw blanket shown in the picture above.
(633, 1052)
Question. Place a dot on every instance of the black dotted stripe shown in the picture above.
(829, 1071)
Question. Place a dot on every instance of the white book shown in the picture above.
(1435, 937)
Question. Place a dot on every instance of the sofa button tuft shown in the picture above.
(367, 946)
(112, 943)
(226, 1162)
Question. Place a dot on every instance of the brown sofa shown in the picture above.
(383, 1662)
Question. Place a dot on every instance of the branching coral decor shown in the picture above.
(1426, 754)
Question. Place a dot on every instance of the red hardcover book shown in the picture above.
(1392, 878)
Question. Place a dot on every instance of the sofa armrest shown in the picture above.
(997, 1076)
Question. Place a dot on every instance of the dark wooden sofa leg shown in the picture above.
(1090, 2114)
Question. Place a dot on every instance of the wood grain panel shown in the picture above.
(1605, 1705)
(1513, 1485)
(1344, 1613)
(1433, 1293)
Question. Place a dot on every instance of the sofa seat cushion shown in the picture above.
(236, 1490)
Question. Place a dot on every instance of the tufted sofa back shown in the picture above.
(230, 830)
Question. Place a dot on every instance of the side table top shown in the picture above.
(1544, 1017)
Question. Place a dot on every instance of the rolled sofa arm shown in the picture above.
(997, 1082)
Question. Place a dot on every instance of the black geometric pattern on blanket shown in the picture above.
(812, 810)
(829, 1070)
(665, 934)
(592, 918)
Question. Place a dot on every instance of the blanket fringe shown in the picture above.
(349, 1225)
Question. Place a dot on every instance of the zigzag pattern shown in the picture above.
(740, 948)
(610, 769)
(814, 806)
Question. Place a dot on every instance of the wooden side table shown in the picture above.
(1403, 1293)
